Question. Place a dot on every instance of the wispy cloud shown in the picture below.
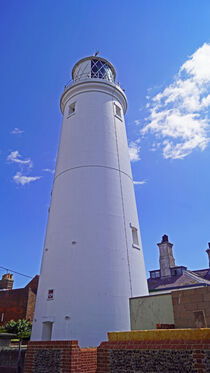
(134, 150)
(49, 170)
(178, 115)
(17, 131)
(22, 179)
(140, 182)
(137, 122)
(16, 157)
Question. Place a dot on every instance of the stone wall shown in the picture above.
(59, 357)
(161, 351)
(148, 351)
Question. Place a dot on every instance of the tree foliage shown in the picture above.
(22, 328)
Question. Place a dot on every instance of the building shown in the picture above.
(178, 297)
(92, 258)
(17, 304)
(170, 276)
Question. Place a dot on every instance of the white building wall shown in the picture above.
(88, 258)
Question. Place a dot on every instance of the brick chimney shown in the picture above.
(166, 256)
(7, 281)
(208, 253)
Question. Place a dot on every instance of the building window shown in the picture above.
(176, 271)
(118, 111)
(154, 274)
(47, 331)
(50, 294)
(2, 317)
(72, 108)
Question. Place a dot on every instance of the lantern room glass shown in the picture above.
(101, 70)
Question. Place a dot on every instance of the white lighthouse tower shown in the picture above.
(92, 260)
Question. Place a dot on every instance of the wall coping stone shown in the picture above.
(161, 334)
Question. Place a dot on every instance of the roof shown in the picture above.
(186, 279)
(204, 273)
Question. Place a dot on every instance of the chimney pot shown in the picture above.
(208, 252)
(164, 238)
(7, 281)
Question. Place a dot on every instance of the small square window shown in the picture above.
(50, 294)
(72, 108)
(118, 111)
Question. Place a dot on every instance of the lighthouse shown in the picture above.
(92, 258)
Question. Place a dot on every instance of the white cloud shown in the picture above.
(16, 131)
(21, 179)
(49, 170)
(16, 157)
(178, 114)
(137, 122)
(140, 182)
(134, 150)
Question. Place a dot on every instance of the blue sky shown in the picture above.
(161, 51)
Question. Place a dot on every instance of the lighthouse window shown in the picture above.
(71, 108)
(118, 111)
(135, 238)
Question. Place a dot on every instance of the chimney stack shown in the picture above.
(166, 256)
(208, 253)
(6, 282)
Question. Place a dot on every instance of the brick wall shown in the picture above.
(17, 304)
(151, 351)
(161, 351)
(59, 357)
(33, 284)
(30, 305)
(138, 357)
(13, 303)
(191, 308)
(88, 360)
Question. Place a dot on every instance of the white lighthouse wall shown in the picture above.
(89, 260)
